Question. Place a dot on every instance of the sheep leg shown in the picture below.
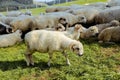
(31, 59)
(66, 56)
(49, 61)
(27, 55)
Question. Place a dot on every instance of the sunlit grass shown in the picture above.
(99, 62)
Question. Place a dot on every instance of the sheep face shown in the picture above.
(114, 23)
(81, 19)
(60, 27)
(62, 20)
(92, 31)
(77, 48)
(19, 33)
(13, 27)
(4, 29)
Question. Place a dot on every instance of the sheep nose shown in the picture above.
(80, 54)
(96, 34)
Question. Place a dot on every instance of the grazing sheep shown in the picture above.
(87, 12)
(107, 15)
(70, 18)
(28, 13)
(106, 25)
(88, 32)
(50, 41)
(23, 23)
(56, 8)
(113, 3)
(4, 29)
(7, 20)
(101, 5)
(109, 35)
(10, 39)
(59, 27)
(73, 32)
(14, 14)
(47, 21)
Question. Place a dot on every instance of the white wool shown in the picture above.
(10, 39)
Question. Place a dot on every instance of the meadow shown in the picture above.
(99, 61)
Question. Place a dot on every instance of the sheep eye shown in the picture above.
(59, 27)
(77, 49)
(64, 19)
(92, 30)
(82, 17)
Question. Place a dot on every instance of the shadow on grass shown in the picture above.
(94, 40)
(10, 65)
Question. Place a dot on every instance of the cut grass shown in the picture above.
(99, 62)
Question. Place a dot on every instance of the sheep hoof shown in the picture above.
(48, 64)
(68, 63)
(100, 42)
(32, 64)
(28, 64)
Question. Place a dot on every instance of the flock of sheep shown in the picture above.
(61, 27)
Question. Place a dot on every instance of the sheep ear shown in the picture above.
(78, 26)
(62, 19)
(20, 31)
(72, 46)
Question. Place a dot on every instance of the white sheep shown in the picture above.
(101, 5)
(56, 8)
(88, 32)
(106, 25)
(14, 13)
(10, 39)
(73, 32)
(87, 12)
(107, 15)
(23, 23)
(59, 27)
(7, 20)
(70, 18)
(111, 3)
(50, 41)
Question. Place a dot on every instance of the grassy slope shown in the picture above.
(99, 62)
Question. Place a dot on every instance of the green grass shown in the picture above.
(99, 62)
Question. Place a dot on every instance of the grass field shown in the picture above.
(99, 62)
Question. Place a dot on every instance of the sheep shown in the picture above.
(112, 3)
(28, 13)
(106, 25)
(49, 41)
(5, 29)
(87, 12)
(25, 24)
(47, 21)
(59, 27)
(73, 32)
(88, 32)
(107, 15)
(70, 18)
(22, 23)
(56, 8)
(14, 13)
(11, 39)
(110, 34)
(1, 15)
(101, 5)
(7, 20)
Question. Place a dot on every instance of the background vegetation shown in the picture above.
(99, 62)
